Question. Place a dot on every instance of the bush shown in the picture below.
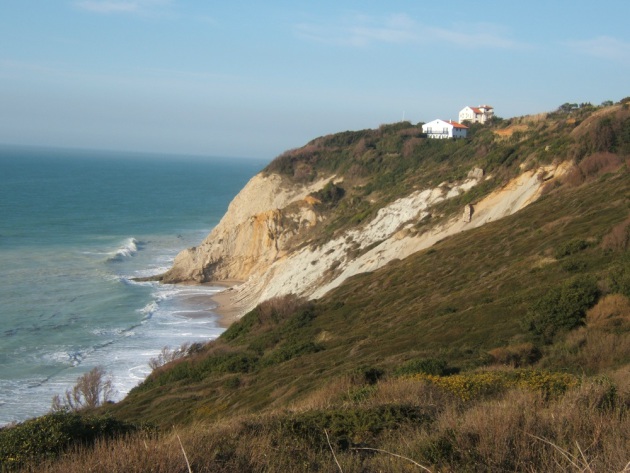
(93, 389)
(516, 355)
(168, 354)
(241, 327)
(562, 308)
(430, 366)
(351, 426)
(570, 248)
(291, 350)
(618, 239)
(469, 386)
(619, 277)
(612, 313)
(49, 435)
(366, 375)
(330, 195)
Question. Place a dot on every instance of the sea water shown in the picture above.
(75, 228)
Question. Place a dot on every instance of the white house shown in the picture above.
(444, 129)
(479, 114)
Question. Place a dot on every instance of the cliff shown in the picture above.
(275, 238)
(257, 228)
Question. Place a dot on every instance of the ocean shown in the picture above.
(75, 228)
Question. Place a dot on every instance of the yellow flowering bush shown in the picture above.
(474, 385)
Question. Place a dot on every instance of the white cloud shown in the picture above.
(402, 29)
(360, 31)
(471, 36)
(604, 47)
(120, 6)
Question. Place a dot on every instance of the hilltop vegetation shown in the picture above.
(503, 348)
(374, 167)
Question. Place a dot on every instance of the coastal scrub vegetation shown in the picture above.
(372, 168)
(504, 348)
(91, 390)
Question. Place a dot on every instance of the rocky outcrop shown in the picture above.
(260, 240)
(254, 232)
(468, 212)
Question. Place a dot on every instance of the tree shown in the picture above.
(567, 107)
(93, 389)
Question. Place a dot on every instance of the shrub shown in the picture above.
(360, 394)
(619, 278)
(618, 239)
(570, 248)
(366, 375)
(49, 435)
(241, 327)
(612, 312)
(600, 163)
(167, 354)
(330, 194)
(93, 389)
(469, 386)
(278, 308)
(430, 366)
(516, 355)
(562, 308)
(291, 350)
(350, 426)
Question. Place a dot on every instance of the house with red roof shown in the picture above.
(444, 129)
(480, 114)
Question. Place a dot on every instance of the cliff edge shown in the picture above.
(350, 203)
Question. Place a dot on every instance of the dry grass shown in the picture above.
(278, 308)
(521, 354)
(509, 131)
(587, 429)
(595, 165)
(612, 312)
(603, 344)
(618, 239)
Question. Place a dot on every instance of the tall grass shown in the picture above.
(586, 429)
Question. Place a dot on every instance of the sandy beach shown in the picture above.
(227, 309)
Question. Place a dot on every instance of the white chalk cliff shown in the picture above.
(260, 240)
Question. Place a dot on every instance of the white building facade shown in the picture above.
(442, 129)
(480, 114)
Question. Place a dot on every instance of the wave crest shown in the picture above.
(127, 250)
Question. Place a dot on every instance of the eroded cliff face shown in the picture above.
(260, 240)
(256, 229)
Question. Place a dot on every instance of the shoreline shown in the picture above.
(226, 308)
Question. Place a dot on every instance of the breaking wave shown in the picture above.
(127, 250)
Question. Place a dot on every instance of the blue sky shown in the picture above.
(246, 78)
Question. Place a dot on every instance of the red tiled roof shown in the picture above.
(476, 110)
(456, 125)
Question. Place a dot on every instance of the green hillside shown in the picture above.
(503, 348)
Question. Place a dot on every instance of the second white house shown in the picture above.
(480, 114)
(444, 129)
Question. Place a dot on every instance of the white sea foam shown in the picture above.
(149, 309)
(128, 249)
(70, 303)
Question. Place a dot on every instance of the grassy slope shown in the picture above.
(456, 301)
(263, 395)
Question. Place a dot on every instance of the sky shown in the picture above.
(253, 79)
